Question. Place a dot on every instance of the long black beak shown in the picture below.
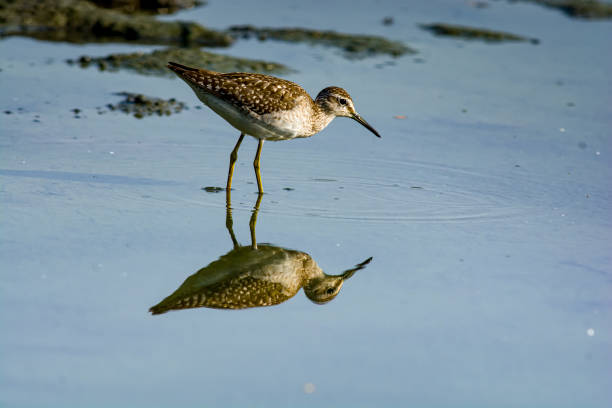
(347, 274)
(365, 124)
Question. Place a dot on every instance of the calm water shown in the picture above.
(486, 211)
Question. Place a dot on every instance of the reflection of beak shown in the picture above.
(364, 123)
(347, 274)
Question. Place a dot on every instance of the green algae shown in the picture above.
(353, 45)
(154, 63)
(584, 9)
(140, 105)
(148, 6)
(213, 189)
(473, 33)
(80, 21)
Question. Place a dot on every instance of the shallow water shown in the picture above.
(486, 211)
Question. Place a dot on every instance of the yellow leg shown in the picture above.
(256, 166)
(233, 158)
(229, 222)
(253, 221)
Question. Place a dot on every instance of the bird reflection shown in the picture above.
(254, 276)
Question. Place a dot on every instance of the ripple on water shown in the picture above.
(402, 191)
(327, 186)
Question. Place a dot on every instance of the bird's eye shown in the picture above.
(342, 101)
(330, 290)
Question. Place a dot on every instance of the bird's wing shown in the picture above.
(256, 93)
(244, 265)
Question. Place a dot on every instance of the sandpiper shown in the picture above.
(255, 276)
(245, 278)
(266, 107)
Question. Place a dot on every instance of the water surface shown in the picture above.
(485, 209)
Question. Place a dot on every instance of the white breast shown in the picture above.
(282, 125)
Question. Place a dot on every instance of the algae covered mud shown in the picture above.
(154, 63)
(82, 21)
(134, 22)
(471, 33)
(583, 9)
(484, 208)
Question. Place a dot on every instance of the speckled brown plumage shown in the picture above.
(239, 293)
(255, 93)
(247, 277)
(243, 278)
(266, 107)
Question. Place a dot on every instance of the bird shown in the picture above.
(266, 107)
(246, 277)
(255, 276)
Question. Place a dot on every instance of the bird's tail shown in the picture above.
(158, 309)
(189, 74)
(179, 68)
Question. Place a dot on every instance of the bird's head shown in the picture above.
(324, 288)
(336, 101)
